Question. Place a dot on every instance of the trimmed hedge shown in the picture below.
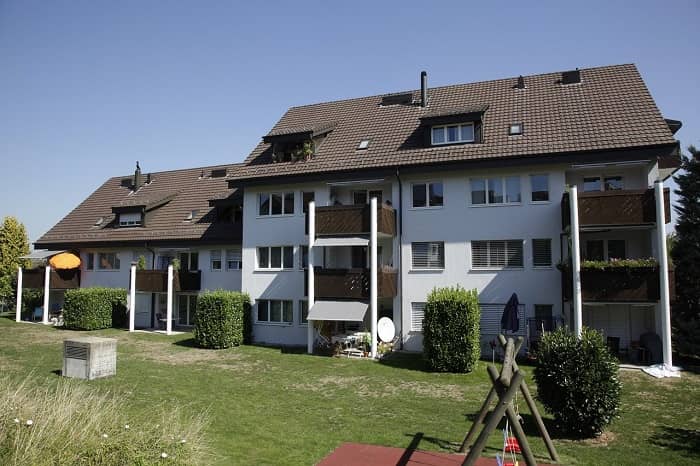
(222, 319)
(577, 381)
(451, 329)
(94, 308)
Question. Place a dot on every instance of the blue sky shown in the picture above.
(89, 87)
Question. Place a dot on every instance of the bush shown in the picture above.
(63, 422)
(94, 308)
(577, 381)
(222, 319)
(451, 329)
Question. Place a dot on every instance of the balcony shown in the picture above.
(615, 208)
(352, 283)
(624, 285)
(353, 220)
(156, 281)
(58, 280)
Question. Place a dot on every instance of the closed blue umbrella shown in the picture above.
(509, 319)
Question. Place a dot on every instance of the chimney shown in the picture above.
(423, 89)
(571, 77)
(137, 177)
(521, 83)
(148, 179)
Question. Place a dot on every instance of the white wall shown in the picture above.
(457, 223)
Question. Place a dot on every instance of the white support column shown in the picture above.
(169, 314)
(18, 315)
(664, 302)
(373, 273)
(132, 298)
(576, 260)
(47, 287)
(310, 276)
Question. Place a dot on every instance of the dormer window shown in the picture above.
(452, 134)
(130, 219)
(297, 144)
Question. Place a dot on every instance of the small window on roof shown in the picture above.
(364, 144)
(515, 129)
(99, 221)
(191, 215)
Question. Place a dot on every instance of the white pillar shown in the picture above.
(373, 273)
(310, 276)
(132, 298)
(47, 287)
(576, 260)
(169, 314)
(664, 302)
(18, 316)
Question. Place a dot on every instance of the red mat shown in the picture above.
(358, 454)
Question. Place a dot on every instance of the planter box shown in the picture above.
(618, 285)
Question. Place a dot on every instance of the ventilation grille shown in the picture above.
(76, 352)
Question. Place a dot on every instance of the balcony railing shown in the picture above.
(353, 220)
(59, 279)
(638, 284)
(352, 283)
(610, 208)
(156, 281)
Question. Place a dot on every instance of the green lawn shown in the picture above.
(266, 406)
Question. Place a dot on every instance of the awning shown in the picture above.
(353, 311)
(342, 241)
(41, 254)
(65, 261)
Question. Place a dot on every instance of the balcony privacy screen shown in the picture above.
(427, 255)
(497, 254)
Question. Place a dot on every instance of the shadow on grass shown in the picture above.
(187, 343)
(413, 362)
(685, 440)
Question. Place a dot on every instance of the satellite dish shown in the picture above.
(386, 329)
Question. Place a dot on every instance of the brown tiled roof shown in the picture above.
(171, 195)
(610, 109)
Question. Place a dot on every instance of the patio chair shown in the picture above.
(38, 314)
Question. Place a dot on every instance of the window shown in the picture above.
(132, 219)
(543, 312)
(91, 261)
(303, 257)
(500, 190)
(275, 257)
(164, 261)
(189, 260)
(215, 256)
(591, 184)
(365, 196)
(417, 314)
(307, 197)
(497, 254)
(616, 249)
(452, 134)
(186, 309)
(539, 188)
(233, 259)
(542, 252)
(428, 255)
(358, 257)
(364, 144)
(275, 203)
(427, 195)
(275, 311)
(303, 312)
(613, 183)
(595, 250)
(515, 129)
(108, 261)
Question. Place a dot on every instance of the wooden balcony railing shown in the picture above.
(353, 220)
(156, 281)
(639, 284)
(352, 283)
(606, 208)
(59, 279)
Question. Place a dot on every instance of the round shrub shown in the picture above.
(577, 381)
(451, 329)
(222, 319)
(94, 308)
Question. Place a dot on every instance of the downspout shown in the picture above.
(398, 258)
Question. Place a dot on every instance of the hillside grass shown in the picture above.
(269, 406)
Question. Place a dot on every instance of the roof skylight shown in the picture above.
(515, 129)
(364, 144)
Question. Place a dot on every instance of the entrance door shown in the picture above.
(186, 309)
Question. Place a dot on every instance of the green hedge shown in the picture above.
(451, 330)
(577, 381)
(94, 308)
(222, 319)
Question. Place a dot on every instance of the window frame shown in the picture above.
(532, 192)
(551, 261)
(503, 181)
(303, 302)
(460, 139)
(268, 305)
(269, 268)
(90, 261)
(213, 254)
(283, 199)
(302, 248)
(116, 263)
(506, 254)
(304, 202)
(430, 244)
(231, 257)
(413, 311)
(131, 223)
(427, 185)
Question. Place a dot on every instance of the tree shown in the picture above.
(686, 253)
(14, 243)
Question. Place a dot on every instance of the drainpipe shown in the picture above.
(664, 302)
(576, 261)
(18, 316)
(310, 271)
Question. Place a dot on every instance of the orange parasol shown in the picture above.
(64, 261)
